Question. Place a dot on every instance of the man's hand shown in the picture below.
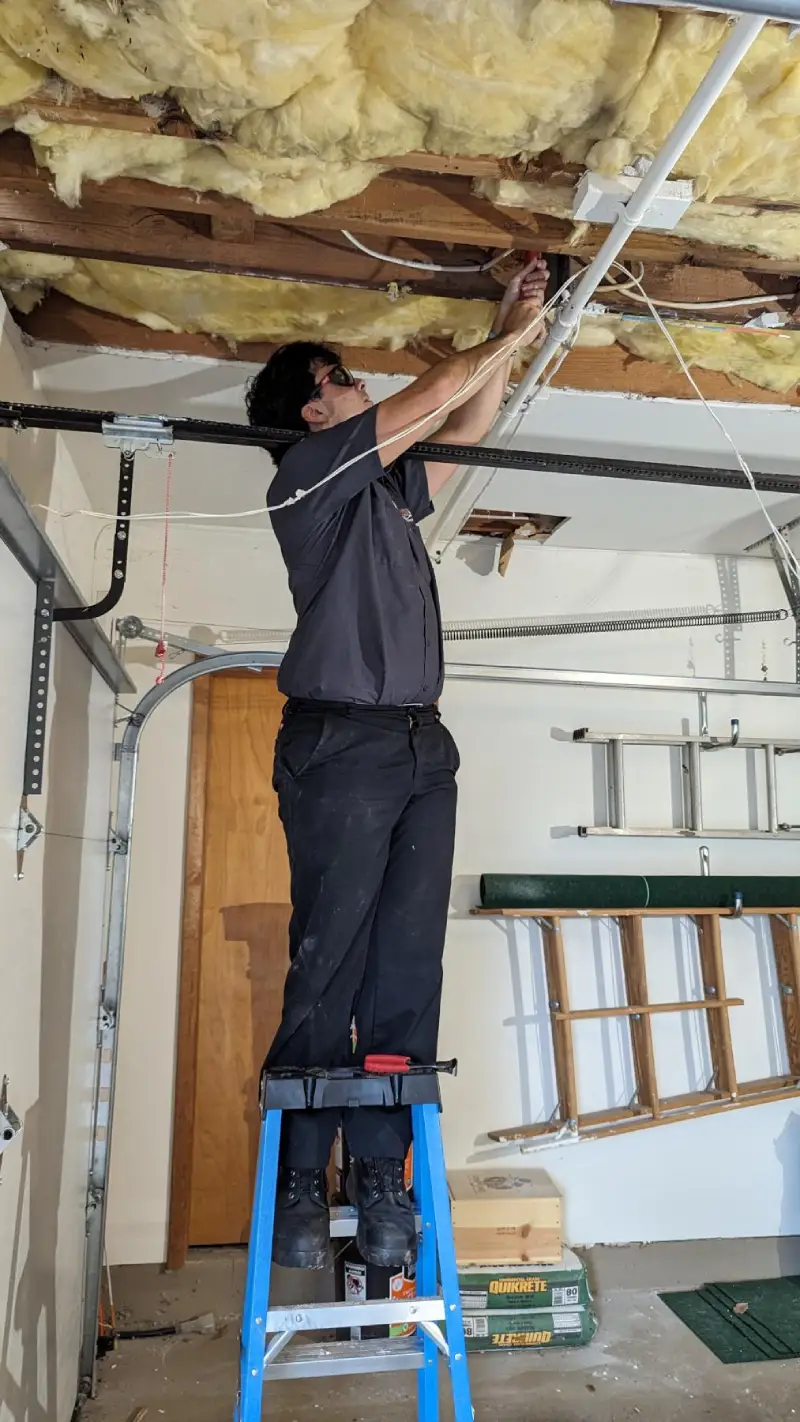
(523, 300)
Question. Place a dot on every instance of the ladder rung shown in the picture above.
(303, 1318)
(374, 1355)
(586, 1014)
(678, 832)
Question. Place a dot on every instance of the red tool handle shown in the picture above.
(386, 1065)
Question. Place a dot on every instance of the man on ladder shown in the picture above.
(364, 768)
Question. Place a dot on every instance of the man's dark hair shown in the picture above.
(278, 393)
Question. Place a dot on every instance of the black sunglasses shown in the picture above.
(337, 375)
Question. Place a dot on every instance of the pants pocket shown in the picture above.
(454, 758)
(300, 743)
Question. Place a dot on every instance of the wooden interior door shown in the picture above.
(234, 959)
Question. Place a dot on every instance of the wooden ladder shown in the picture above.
(648, 1107)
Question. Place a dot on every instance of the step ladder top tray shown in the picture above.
(290, 1089)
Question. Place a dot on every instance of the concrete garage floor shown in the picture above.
(642, 1363)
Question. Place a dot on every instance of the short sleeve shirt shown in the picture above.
(368, 620)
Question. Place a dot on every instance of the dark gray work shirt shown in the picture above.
(368, 622)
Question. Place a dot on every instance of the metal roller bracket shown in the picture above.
(28, 831)
(135, 434)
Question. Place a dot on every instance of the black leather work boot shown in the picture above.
(302, 1222)
(387, 1231)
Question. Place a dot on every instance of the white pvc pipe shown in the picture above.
(742, 37)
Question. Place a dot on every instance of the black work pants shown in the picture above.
(367, 798)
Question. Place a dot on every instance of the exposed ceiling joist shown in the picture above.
(231, 244)
(445, 209)
(411, 206)
(234, 243)
(60, 320)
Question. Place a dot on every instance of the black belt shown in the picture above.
(408, 715)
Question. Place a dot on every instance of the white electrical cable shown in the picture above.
(722, 427)
(495, 360)
(626, 288)
(425, 266)
(762, 300)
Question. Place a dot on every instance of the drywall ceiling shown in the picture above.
(601, 513)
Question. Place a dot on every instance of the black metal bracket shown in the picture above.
(119, 562)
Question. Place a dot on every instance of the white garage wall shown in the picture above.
(50, 952)
(521, 784)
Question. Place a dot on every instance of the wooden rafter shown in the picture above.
(235, 243)
(415, 207)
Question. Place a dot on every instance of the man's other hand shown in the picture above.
(523, 300)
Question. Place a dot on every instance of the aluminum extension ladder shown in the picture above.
(265, 1353)
(692, 748)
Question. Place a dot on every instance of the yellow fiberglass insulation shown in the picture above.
(352, 81)
(242, 309)
(770, 359)
(471, 76)
(748, 145)
(19, 78)
(277, 187)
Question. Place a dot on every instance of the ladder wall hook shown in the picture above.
(705, 861)
(702, 698)
(734, 730)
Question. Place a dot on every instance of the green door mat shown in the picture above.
(769, 1327)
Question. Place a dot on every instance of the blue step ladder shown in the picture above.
(267, 1349)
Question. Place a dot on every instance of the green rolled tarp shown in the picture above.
(635, 891)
